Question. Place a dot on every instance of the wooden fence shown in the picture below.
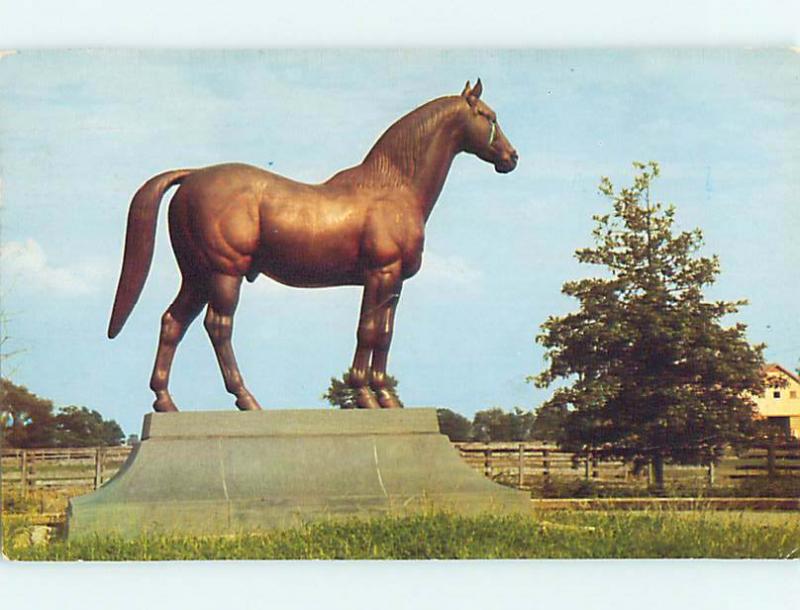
(528, 464)
(524, 465)
(54, 468)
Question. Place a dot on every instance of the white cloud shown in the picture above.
(24, 264)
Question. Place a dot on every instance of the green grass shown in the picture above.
(39, 500)
(761, 487)
(546, 534)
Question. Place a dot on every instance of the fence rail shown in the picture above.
(86, 467)
(526, 464)
(522, 464)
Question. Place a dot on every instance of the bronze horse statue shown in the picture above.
(365, 226)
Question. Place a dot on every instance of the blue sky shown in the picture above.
(81, 130)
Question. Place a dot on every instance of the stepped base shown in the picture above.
(228, 472)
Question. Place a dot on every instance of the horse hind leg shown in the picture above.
(176, 319)
(223, 299)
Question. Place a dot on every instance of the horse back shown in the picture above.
(240, 219)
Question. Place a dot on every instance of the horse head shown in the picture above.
(482, 134)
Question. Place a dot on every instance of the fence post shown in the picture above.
(772, 470)
(98, 467)
(487, 463)
(595, 471)
(586, 465)
(546, 464)
(23, 474)
(711, 473)
(521, 465)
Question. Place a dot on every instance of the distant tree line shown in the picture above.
(28, 421)
(498, 425)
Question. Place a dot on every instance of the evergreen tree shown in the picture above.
(341, 395)
(652, 372)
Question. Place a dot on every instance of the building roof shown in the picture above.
(772, 367)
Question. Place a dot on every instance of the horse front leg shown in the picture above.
(380, 355)
(378, 285)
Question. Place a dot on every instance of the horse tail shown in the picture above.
(140, 238)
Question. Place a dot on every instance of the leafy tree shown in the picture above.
(341, 395)
(80, 427)
(26, 419)
(548, 423)
(491, 425)
(497, 425)
(652, 372)
(522, 423)
(454, 425)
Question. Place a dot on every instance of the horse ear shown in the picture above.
(472, 94)
(477, 90)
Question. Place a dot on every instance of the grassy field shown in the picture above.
(26, 533)
(544, 534)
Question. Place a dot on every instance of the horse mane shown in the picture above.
(392, 160)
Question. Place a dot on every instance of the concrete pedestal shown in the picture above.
(227, 472)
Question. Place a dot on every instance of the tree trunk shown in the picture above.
(658, 473)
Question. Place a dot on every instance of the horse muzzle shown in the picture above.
(508, 163)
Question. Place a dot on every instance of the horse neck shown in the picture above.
(417, 152)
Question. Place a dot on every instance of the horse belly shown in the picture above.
(307, 251)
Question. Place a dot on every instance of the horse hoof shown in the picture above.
(388, 400)
(365, 399)
(247, 403)
(163, 403)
